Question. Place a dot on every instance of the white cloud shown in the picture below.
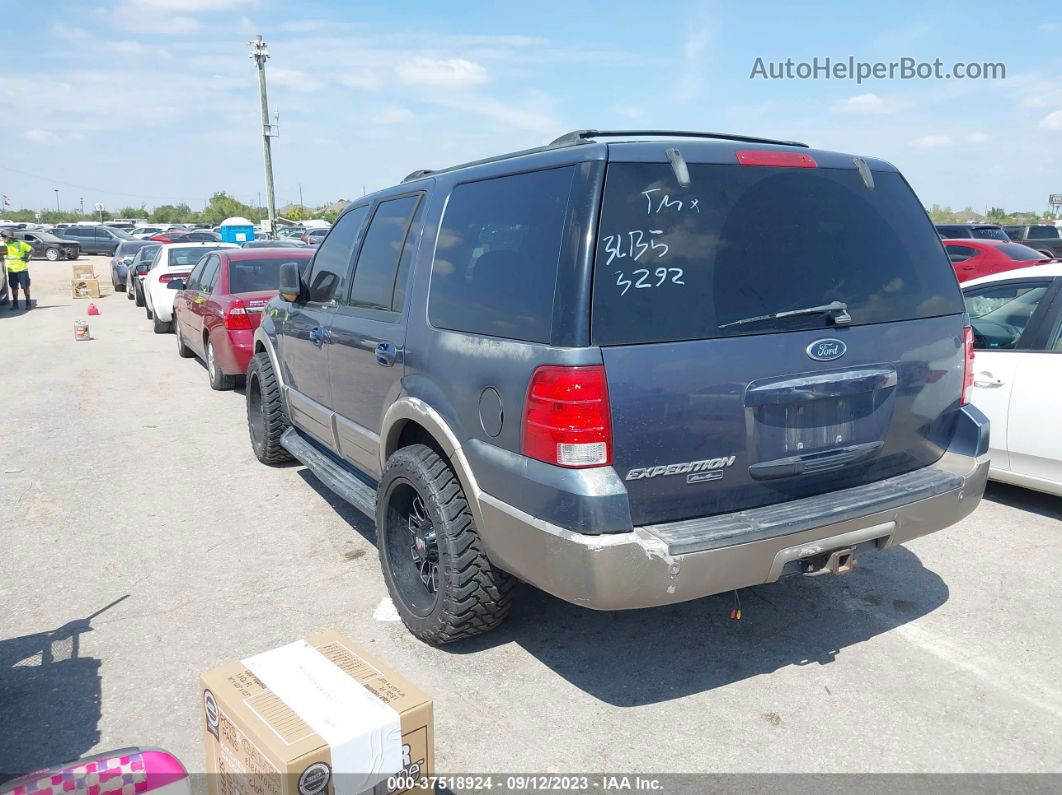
(293, 79)
(69, 32)
(1052, 121)
(40, 136)
(1049, 27)
(933, 140)
(450, 72)
(866, 104)
(693, 54)
(977, 137)
(134, 48)
(392, 115)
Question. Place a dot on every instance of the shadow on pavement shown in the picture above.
(635, 657)
(49, 698)
(1046, 505)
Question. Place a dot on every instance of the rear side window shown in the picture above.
(1043, 233)
(958, 253)
(374, 275)
(496, 260)
(332, 260)
(1000, 313)
(741, 242)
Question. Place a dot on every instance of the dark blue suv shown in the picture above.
(630, 373)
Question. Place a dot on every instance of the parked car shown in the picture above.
(977, 231)
(171, 261)
(217, 309)
(137, 270)
(201, 236)
(974, 258)
(123, 257)
(171, 235)
(1017, 323)
(291, 231)
(281, 243)
(586, 367)
(313, 237)
(144, 232)
(95, 239)
(1045, 238)
(49, 246)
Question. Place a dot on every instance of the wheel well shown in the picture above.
(414, 433)
(258, 347)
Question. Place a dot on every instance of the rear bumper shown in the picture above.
(664, 564)
(235, 351)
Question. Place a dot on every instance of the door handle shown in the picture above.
(317, 335)
(386, 353)
(986, 379)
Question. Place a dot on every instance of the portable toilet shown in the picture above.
(236, 230)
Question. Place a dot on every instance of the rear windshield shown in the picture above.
(990, 233)
(189, 256)
(1042, 233)
(741, 242)
(257, 275)
(1019, 252)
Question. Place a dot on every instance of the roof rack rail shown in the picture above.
(579, 137)
(582, 136)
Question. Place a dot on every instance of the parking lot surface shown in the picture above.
(128, 484)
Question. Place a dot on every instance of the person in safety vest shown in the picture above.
(16, 257)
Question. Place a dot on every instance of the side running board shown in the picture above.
(333, 474)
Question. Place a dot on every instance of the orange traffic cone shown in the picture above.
(92, 310)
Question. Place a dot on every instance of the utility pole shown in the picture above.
(57, 200)
(260, 54)
(301, 205)
(82, 200)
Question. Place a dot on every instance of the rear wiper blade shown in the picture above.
(837, 310)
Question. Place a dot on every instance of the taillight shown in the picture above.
(164, 278)
(566, 417)
(236, 316)
(769, 157)
(968, 364)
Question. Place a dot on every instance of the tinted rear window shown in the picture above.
(1043, 233)
(189, 256)
(496, 260)
(255, 275)
(679, 263)
(989, 233)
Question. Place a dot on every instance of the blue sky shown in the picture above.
(155, 101)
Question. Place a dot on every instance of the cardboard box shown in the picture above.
(85, 288)
(315, 717)
(82, 271)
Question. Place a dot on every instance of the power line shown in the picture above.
(88, 187)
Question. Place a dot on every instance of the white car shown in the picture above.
(144, 232)
(1017, 321)
(171, 260)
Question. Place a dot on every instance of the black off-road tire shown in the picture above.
(266, 418)
(473, 596)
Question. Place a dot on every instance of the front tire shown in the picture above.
(442, 584)
(218, 379)
(51, 254)
(266, 419)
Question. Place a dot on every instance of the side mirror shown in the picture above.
(290, 282)
(175, 284)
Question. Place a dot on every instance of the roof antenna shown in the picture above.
(864, 172)
(678, 165)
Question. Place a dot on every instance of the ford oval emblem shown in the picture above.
(826, 350)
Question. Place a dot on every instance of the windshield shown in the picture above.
(257, 275)
(740, 242)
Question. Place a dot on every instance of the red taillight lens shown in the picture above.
(236, 316)
(166, 278)
(968, 364)
(768, 157)
(566, 417)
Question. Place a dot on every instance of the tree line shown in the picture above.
(220, 207)
(995, 215)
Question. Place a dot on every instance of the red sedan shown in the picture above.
(216, 312)
(973, 258)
